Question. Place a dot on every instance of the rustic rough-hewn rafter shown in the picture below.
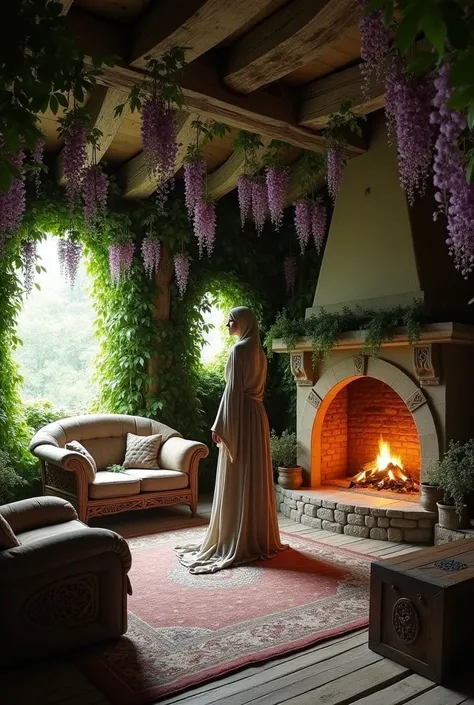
(102, 109)
(260, 112)
(102, 106)
(197, 24)
(66, 5)
(266, 113)
(322, 97)
(293, 190)
(225, 178)
(288, 39)
(134, 176)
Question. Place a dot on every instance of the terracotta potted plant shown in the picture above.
(283, 450)
(456, 479)
(430, 491)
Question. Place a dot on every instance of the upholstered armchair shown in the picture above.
(92, 489)
(63, 584)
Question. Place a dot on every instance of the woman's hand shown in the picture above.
(216, 439)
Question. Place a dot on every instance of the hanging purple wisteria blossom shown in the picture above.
(454, 194)
(205, 226)
(244, 192)
(277, 182)
(318, 224)
(37, 156)
(259, 204)
(114, 262)
(162, 192)
(194, 180)
(159, 137)
(408, 108)
(73, 251)
(61, 249)
(28, 260)
(290, 267)
(374, 45)
(302, 222)
(335, 166)
(13, 202)
(181, 269)
(75, 159)
(151, 254)
(95, 189)
(120, 260)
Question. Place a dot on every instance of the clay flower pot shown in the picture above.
(430, 495)
(290, 478)
(450, 519)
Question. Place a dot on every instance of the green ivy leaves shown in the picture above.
(323, 331)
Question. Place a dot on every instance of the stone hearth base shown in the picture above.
(443, 535)
(349, 513)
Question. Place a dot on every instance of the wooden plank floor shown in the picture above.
(337, 672)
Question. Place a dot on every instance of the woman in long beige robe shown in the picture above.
(243, 524)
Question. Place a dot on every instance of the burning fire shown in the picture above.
(385, 472)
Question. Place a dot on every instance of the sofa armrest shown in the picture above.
(66, 459)
(36, 512)
(49, 553)
(181, 454)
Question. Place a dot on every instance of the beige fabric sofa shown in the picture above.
(64, 585)
(69, 475)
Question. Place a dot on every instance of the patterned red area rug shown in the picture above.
(187, 629)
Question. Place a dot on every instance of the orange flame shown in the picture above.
(385, 456)
(385, 459)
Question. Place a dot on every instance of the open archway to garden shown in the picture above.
(56, 326)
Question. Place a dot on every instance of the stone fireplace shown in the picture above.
(415, 397)
(357, 417)
(381, 253)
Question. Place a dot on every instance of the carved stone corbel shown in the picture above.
(426, 364)
(301, 366)
(360, 365)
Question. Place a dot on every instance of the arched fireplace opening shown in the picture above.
(365, 434)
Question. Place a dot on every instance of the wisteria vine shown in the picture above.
(120, 260)
(181, 268)
(454, 194)
(151, 254)
(95, 188)
(374, 44)
(13, 202)
(408, 108)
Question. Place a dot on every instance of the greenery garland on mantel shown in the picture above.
(324, 330)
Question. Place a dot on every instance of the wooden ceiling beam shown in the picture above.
(261, 113)
(287, 40)
(102, 110)
(66, 6)
(134, 176)
(322, 97)
(293, 190)
(197, 24)
(269, 113)
(224, 179)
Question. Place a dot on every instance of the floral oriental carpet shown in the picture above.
(187, 629)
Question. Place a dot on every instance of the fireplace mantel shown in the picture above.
(457, 333)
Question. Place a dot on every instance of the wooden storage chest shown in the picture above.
(422, 609)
